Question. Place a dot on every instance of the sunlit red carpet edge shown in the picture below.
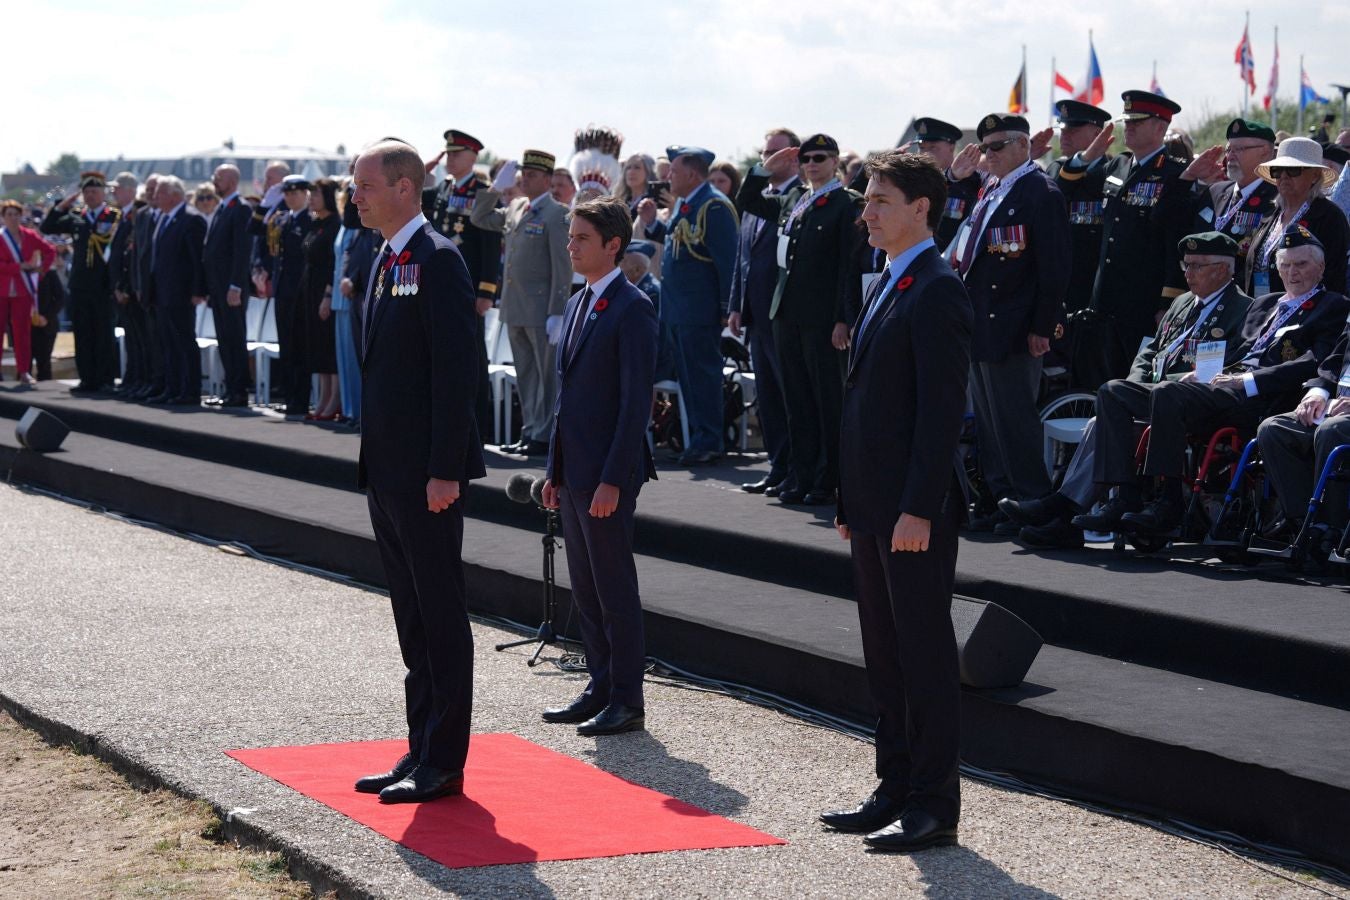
(521, 803)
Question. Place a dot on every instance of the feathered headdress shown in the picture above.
(595, 162)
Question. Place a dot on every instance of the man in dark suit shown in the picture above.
(753, 282)
(819, 282)
(1011, 253)
(419, 448)
(228, 248)
(142, 231)
(130, 314)
(900, 501)
(598, 460)
(176, 283)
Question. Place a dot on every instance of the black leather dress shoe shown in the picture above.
(587, 706)
(913, 831)
(234, 401)
(373, 784)
(775, 490)
(535, 448)
(83, 388)
(1105, 519)
(185, 400)
(614, 719)
(877, 811)
(424, 783)
(792, 497)
(1027, 512)
(818, 496)
(159, 398)
(1057, 534)
(758, 487)
(1159, 517)
(698, 458)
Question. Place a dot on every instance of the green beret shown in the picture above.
(1208, 243)
(1245, 128)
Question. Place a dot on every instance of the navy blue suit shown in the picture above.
(176, 277)
(753, 282)
(605, 378)
(904, 401)
(228, 248)
(419, 381)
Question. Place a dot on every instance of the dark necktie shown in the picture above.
(373, 301)
(578, 323)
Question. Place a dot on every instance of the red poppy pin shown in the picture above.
(684, 209)
(601, 305)
(904, 283)
(404, 257)
(821, 201)
(1254, 201)
(1303, 222)
(1307, 304)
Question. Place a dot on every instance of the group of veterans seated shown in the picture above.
(1283, 377)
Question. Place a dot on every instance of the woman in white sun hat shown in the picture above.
(1301, 177)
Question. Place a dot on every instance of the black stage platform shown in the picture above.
(1173, 686)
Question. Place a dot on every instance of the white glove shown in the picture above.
(506, 177)
(272, 197)
(553, 325)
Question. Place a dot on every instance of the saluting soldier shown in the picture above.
(1228, 195)
(449, 207)
(1080, 123)
(938, 140)
(93, 312)
(1139, 273)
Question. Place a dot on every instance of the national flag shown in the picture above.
(1155, 88)
(1274, 85)
(1017, 99)
(1246, 63)
(1093, 90)
(1307, 93)
(1062, 90)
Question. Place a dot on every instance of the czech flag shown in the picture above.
(1017, 99)
(1307, 93)
(1246, 63)
(1093, 90)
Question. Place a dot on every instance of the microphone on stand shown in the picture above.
(520, 488)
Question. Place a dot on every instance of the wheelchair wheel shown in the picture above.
(1074, 405)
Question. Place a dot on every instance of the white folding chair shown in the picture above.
(213, 377)
(264, 350)
(501, 374)
(673, 389)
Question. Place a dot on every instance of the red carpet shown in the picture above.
(521, 803)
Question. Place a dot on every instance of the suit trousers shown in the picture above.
(1078, 484)
(345, 331)
(913, 675)
(536, 379)
(155, 353)
(292, 365)
(232, 338)
(605, 593)
(44, 341)
(138, 340)
(483, 401)
(813, 395)
(1179, 409)
(1295, 455)
(177, 326)
(1008, 426)
(92, 317)
(698, 369)
(772, 411)
(421, 551)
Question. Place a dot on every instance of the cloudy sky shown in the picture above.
(157, 79)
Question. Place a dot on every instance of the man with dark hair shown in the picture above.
(901, 497)
(598, 461)
(419, 448)
(228, 248)
(754, 281)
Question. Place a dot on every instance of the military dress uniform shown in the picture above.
(1139, 273)
(93, 312)
(962, 193)
(449, 207)
(285, 243)
(1083, 194)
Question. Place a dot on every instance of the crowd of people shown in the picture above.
(1112, 271)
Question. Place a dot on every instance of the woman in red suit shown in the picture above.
(24, 259)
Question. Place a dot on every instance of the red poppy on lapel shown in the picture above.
(1306, 304)
(821, 201)
(601, 304)
(1254, 201)
(684, 209)
(1303, 222)
(404, 257)
(904, 283)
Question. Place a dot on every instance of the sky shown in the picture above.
(154, 79)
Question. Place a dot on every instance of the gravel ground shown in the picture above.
(172, 652)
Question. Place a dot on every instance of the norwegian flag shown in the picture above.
(1274, 85)
(1246, 63)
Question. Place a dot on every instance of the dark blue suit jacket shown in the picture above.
(228, 250)
(419, 374)
(605, 393)
(905, 400)
(176, 274)
(755, 276)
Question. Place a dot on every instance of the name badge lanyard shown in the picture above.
(1161, 360)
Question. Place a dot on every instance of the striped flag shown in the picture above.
(1093, 89)
(1274, 85)
(1246, 63)
(1017, 98)
(1062, 90)
(1307, 93)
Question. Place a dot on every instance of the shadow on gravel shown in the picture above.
(515, 880)
(961, 872)
(642, 759)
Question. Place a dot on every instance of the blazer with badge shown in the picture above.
(228, 248)
(1083, 196)
(756, 272)
(698, 262)
(449, 207)
(419, 368)
(605, 393)
(1017, 276)
(537, 273)
(962, 194)
(1328, 224)
(1302, 341)
(822, 282)
(1212, 203)
(176, 271)
(90, 248)
(905, 400)
(1141, 227)
(1224, 323)
(1332, 367)
(288, 260)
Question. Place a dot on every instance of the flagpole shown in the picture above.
(1053, 72)
(1246, 88)
(1026, 95)
(1298, 128)
(1274, 101)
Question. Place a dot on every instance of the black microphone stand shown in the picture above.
(546, 634)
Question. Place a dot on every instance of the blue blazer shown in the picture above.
(229, 249)
(905, 401)
(754, 277)
(605, 393)
(176, 274)
(700, 253)
(419, 376)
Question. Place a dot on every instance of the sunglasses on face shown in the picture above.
(995, 146)
(1291, 171)
(815, 157)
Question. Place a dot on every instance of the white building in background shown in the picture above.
(195, 168)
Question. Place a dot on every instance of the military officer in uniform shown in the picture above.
(1080, 123)
(536, 283)
(1228, 194)
(1139, 273)
(286, 238)
(938, 140)
(93, 313)
(449, 207)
